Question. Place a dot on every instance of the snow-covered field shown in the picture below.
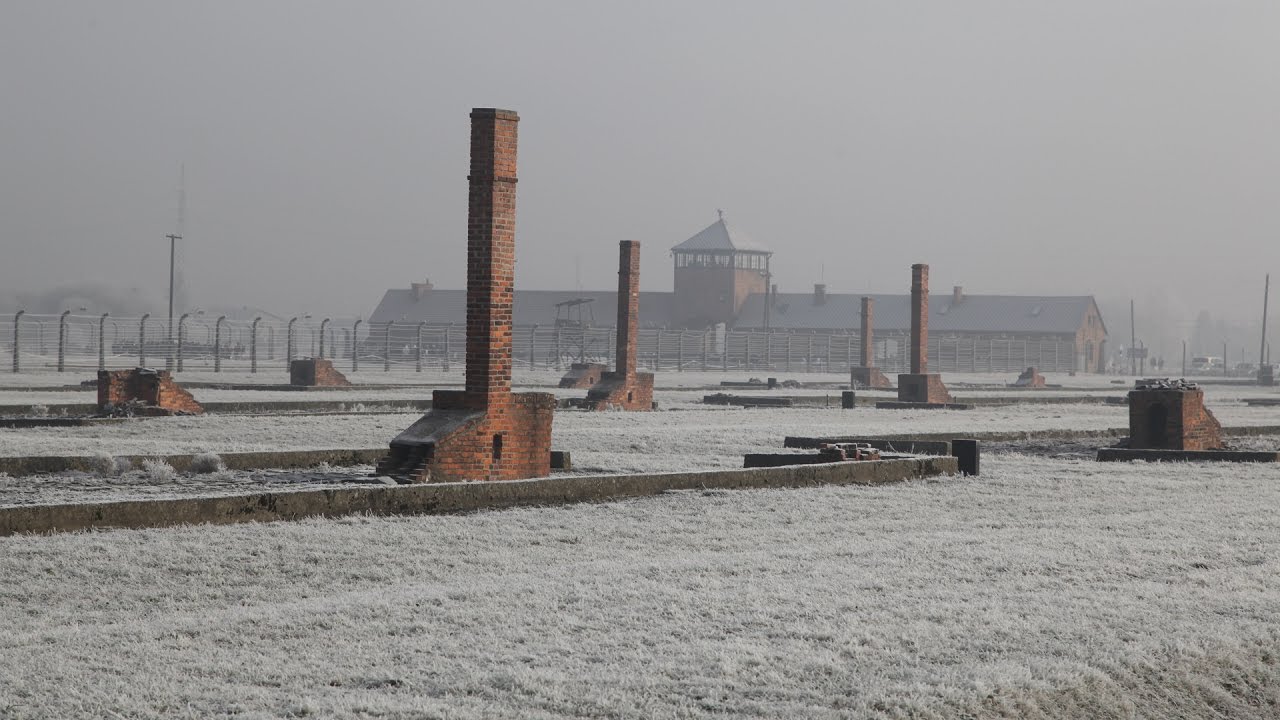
(1044, 588)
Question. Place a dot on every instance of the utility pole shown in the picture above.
(1133, 343)
(173, 241)
(1262, 352)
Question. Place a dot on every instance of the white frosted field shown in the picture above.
(1043, 589)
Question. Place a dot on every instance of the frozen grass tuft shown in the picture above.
(39, 410)
(159, 471)
(103, 464)
(206, 463)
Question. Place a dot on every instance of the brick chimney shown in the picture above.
(628, 306)
(957, 295)
(421, 290)
(491, 221)
(868, 310)
(819, 294)
(919, 319)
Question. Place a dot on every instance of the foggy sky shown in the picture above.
(1107, 147)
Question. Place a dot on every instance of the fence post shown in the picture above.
(419, 352)
(324, 325)
(808, 355)
(533, 341)
(705, 348)
(182, 337)
(558, 365)
(288, 342)
(386, 348)
(447, 330)
(142, 340)
(62, 340)
(16, 344)
(253, 345)
(355, 346)
(680, 350)
(217, 343)
(102, 341)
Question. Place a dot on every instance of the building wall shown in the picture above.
(709, 295)
(1091, 341)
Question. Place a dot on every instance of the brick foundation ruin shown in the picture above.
(583, 376)
(624, 388)
(921, 386)
(484, 432)
(1030, 378)
(1170, 415)
(867, 374)
(316, 372)
(143, 391)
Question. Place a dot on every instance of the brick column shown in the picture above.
(491, 222)
(919, 319)
(868, 353)
(628, 305)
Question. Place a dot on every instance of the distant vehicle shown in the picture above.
(1204, 364)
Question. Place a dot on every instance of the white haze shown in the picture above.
(1115, 149)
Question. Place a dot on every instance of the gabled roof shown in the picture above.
(721, 236)
(530, 307)
(975, 313)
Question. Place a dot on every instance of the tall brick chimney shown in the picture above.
(957, 295)
(819, 294)
(491, 222)
(868, 354)
(919, 319)
(628, 306)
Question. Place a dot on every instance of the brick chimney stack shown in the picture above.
(628, 306)
(868, 354)
(491, 216)
(957, 295)
(919, 319)
(819, 294)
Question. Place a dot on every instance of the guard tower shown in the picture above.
(715, 271)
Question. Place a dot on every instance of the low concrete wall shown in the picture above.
(442, 498)
(1152, 455)
(35, 464)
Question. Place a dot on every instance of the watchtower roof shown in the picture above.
(722, 237)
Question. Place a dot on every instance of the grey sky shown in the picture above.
(1072, 147)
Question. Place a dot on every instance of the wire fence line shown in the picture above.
(68, 342)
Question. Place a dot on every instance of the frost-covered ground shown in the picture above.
(1044, 588)
(685, 437)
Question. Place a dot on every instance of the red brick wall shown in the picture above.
(919, 319)
(316, 372)
(470, 453)
(491, 224)
(154, 389)
(1172, 419)
(582, 376)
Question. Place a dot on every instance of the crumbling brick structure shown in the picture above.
(583, 376)
(143, 391)
(483, 432)
(867, 374)
(625, 388)
(1030, 378)
(1170, 415)
(920, 386)
(316, 372)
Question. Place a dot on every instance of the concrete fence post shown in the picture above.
(217, 343)
(418, 367)
(253, 345)
(533, 342)
(142, 340)
(355, 346)
(182, 337)
(62, 340)
(288, 342)
(324, 325)
(17, 317)
(102, 341)
(447, 330)
(386, 348)
(680, 350)
(724, 353)
(706, 348)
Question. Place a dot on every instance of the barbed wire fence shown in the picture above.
(199, 343)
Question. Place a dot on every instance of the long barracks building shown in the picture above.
(726, 313)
